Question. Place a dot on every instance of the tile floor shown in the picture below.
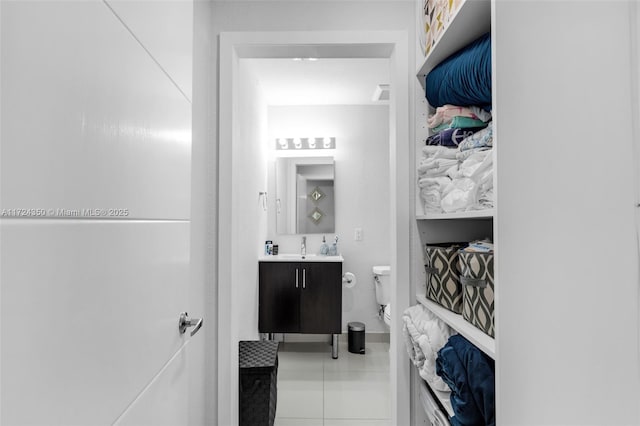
(316, 390)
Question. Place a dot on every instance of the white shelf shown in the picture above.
(481, 340)
(474, 214)
(471, 21)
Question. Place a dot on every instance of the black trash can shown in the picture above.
(356, 337)
(258, 362)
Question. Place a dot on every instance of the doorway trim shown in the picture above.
(378, 44)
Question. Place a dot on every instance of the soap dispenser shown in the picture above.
(324, 248)
(333, 250)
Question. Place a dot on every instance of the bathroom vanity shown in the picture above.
(301, 295)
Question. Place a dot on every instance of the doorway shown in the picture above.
(237, 241)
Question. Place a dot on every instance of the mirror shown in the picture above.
(305, 199)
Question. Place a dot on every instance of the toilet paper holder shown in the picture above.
(348, 279)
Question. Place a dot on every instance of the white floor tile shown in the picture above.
(316, 390)
(300, 394)
(356, 422)
(357, 395)
(376, 358)
(298, 422)
(296, 357)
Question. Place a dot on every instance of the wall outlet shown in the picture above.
(357, 234)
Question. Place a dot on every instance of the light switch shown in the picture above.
(357, 234)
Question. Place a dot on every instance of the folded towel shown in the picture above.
(483, 138)
(451, 137)
(436, 167)
(431, 198)
(463, 155)
(460, 123)
(437, 151)
(438, 182)
(474, 166)
(446, 113)
(425, 335)
(431, 192)
(485, 199)
(460, 195)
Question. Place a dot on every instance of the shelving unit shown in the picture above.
(472, 20)
(544, 334)
(481, 340)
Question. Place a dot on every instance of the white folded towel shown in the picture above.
(439, 151)
(438, 181)
(431, 199)
(436, 167)
(425, 334)
(460, 195)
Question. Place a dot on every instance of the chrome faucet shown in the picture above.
(303, 247)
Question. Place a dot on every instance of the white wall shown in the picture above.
(241, 221)
(249, 179)
(567, 255)
(203, 362)
(362, 192)
(316, 15)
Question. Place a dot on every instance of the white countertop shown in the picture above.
(285, 257)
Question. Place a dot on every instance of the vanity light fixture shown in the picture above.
(282, 143)
(306, 143)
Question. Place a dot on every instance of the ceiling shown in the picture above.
(325, 81)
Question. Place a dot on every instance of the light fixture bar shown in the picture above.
(305, 143)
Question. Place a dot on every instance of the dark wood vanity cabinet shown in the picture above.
(300, 297)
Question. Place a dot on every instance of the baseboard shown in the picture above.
(326, 338)
(368, 337)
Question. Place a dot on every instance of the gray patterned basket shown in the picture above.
(477, 279)
(443, 275)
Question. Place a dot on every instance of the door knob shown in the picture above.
(184, 322)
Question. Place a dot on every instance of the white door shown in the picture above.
(95, 201)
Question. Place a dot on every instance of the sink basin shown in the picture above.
(296, 257)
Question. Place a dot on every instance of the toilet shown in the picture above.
(381, 282)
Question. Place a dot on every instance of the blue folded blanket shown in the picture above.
(471, 376)
(464, 78)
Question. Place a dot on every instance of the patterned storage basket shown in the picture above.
(443, 275)
(436, 17)
(477, 279)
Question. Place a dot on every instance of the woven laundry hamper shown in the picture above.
(258, 382)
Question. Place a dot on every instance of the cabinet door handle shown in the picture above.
(296, 277)
(304, 278)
